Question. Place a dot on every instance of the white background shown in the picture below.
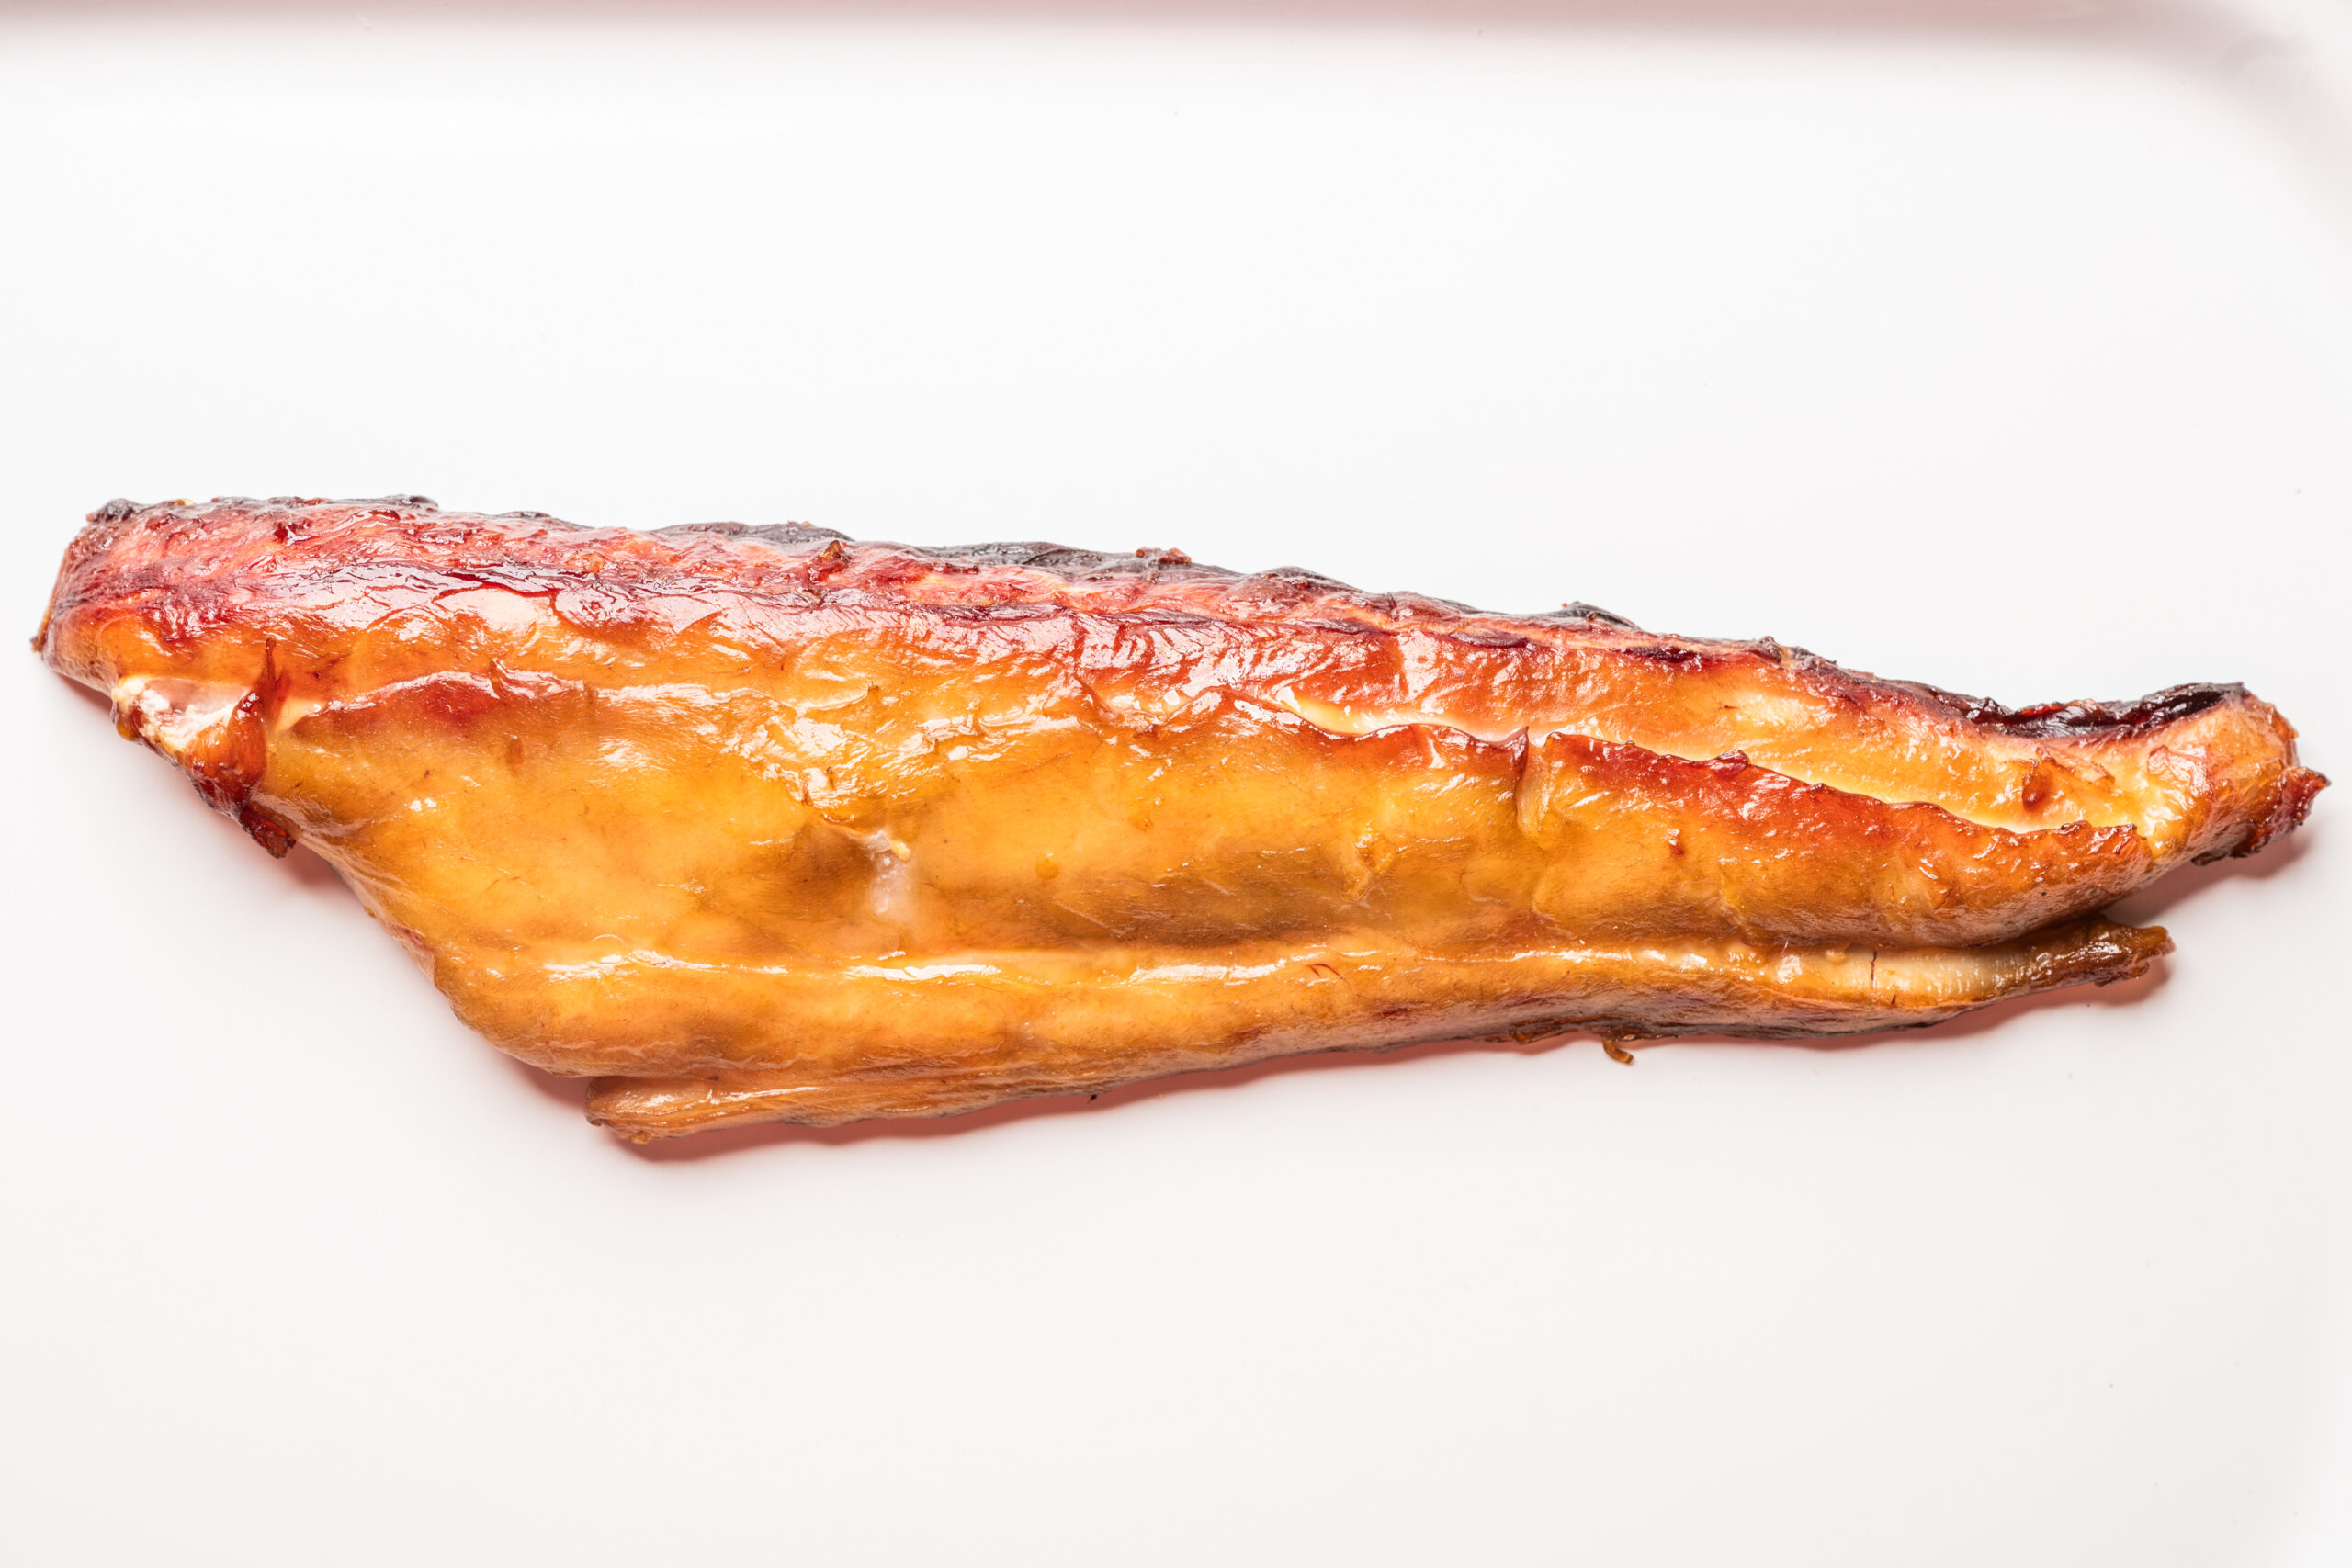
(2006, 347)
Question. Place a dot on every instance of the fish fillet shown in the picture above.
(761, 823)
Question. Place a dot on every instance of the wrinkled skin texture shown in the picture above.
(758, 824)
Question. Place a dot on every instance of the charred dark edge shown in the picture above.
(2058, 720)
(784, 536)
(2039, 721)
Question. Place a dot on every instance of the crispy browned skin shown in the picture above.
(760, 823)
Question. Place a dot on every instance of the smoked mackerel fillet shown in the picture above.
(764, 823)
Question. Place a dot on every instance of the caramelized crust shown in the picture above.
(761, 823)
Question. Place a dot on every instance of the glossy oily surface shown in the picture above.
(767, 823)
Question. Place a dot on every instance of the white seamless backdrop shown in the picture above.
(2004, 350)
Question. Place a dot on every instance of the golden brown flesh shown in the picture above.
(760, 823)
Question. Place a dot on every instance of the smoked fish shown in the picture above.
(748, 823)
